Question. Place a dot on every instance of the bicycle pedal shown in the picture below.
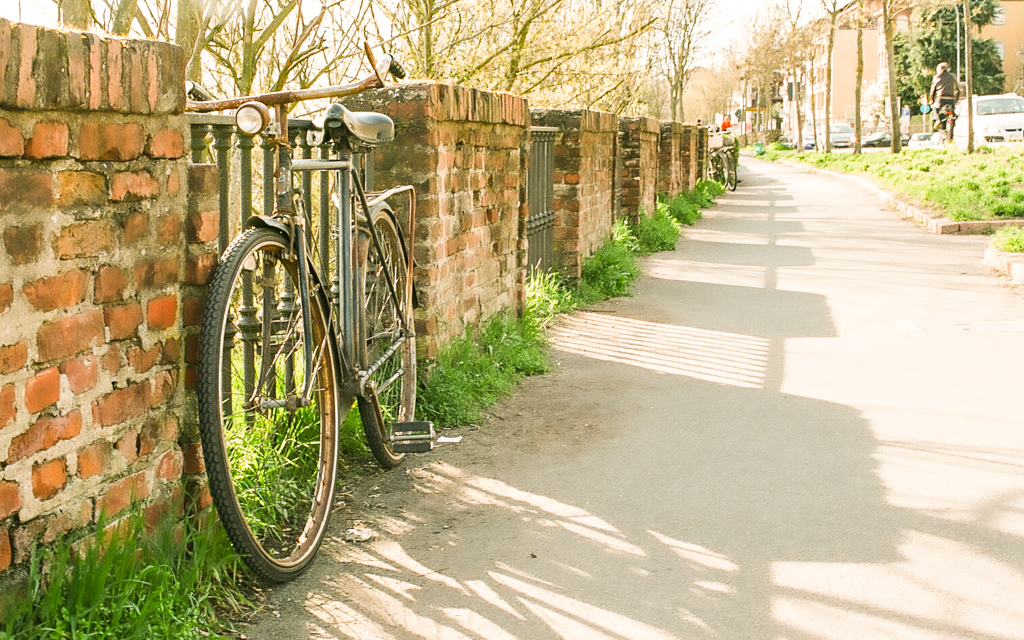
(413, 437)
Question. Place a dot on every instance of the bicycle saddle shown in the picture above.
(361, 128)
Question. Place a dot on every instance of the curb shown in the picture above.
(1010, 265)
(933, 222)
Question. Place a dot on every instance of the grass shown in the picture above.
(124, 583)
(1009, 239)
(476, 370)
(988, 185)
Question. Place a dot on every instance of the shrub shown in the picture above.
(658, 232)
(1009, 239)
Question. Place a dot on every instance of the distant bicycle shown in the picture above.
(722, 161)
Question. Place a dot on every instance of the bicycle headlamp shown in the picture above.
(252, 117)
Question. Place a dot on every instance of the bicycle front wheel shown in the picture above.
(730, 172)
(390, 346)
(270, 435)
(718, 168)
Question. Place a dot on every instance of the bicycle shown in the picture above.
(723, 166)
(303, 320)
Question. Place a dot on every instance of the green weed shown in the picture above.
(1009, 239)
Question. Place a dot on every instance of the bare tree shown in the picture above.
(682, 30)
(859, 89)
(888, 9)
(832, 9)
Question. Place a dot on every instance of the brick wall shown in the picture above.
(465, 152)
(93, 183)
(585, 162)
(639, 152)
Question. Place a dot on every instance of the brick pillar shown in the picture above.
(639, 173)
(672, 179)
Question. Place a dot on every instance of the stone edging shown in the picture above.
(1010, 265)
(933, 222)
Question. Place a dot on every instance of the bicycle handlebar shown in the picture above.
(199, 100)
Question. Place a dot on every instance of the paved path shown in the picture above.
(808, 423)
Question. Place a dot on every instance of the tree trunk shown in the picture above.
(76, 14)
(186, 35)
(828, 83)
(894, 107)
(814, 108)
(799, 112)
(969, 65)
(858, 90)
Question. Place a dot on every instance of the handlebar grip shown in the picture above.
(396, 69)
(196, 92)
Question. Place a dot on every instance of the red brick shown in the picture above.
(173, 184)
(192, 310)
(137, 185)
(192, 349)
(164, 385)
(170, 465)
(158, 429)
(136, 227)
(10, 498)
(25, 86)
(109, 285)
(81, 188)
(6, 297)
(42, 390)
(13, 357)
(117, 142)
(5, 549)
(128, 446)
(48, 478)
(193, 458)
(59, 292)
(123, 321)
(121, 405)
(166, 143)
(81, 373)
(70, 335)
(122, 494)
(191, 377)
(25, 189)
(142, 360)
(23, 243)
(94, 460)
(203, 226)
(7, 409)
(68, 519)
(199, 269)
(168, 228)
(12, 143)
(171, 351)
(156, 273)
(49, 140)
(84, 239)
(162, 313)
(111, 360)
(46, 432)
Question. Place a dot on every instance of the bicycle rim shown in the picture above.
(387, 345)
(730, 176)
(271, 462)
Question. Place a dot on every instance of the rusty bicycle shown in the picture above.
(304, 320)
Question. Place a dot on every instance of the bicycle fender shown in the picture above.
(266, 222)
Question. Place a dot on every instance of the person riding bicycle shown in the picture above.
(945, 92)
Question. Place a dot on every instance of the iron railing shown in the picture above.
(540, 189)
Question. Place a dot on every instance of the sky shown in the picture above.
(39, 12)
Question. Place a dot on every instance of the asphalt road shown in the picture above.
(808, 423)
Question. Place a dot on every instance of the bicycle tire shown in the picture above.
(394, 382)
(271, 464)
(730, 172)
(718, 168)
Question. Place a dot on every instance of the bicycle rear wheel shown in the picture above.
(730, 172)
(271, 460)
(389, 344)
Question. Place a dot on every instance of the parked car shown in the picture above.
(841, 135)
(996, 119)
(926, 140)
(877, 139)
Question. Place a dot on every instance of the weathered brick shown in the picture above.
(156, 273)
(160, 428)
(199, 269)
(171, 351)
(10, 498)
(116, 142)
(128, 446)
(76, 188)
(162, 313)
(7, 409)
(203, 180)
(22, 189)
(122, 494)
(48, 478)
(23, 243)
(142, 360)
(192, 310)
(203, 226)
(42, 390)
(135, 227)
(81, 373)
(170, 466)
(58, 292)
(109, 285)
(74, 516)
(123, 320)
(43, 434)
(133, 185)
(121, 405)
(94, 460)
(49, 140)
(193, 458)
(115, 73)
(13, 357)
(5, 549)
(168, 230)
(12, 143)
(164, 385)
(25, 91)
(70, 335)
(166, 143)
(89, 238)
(111, 360)
(6, 296)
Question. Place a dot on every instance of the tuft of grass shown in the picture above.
(1009, 239)
(658, 232)
(129, 584)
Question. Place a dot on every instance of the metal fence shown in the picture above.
(540, 189)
